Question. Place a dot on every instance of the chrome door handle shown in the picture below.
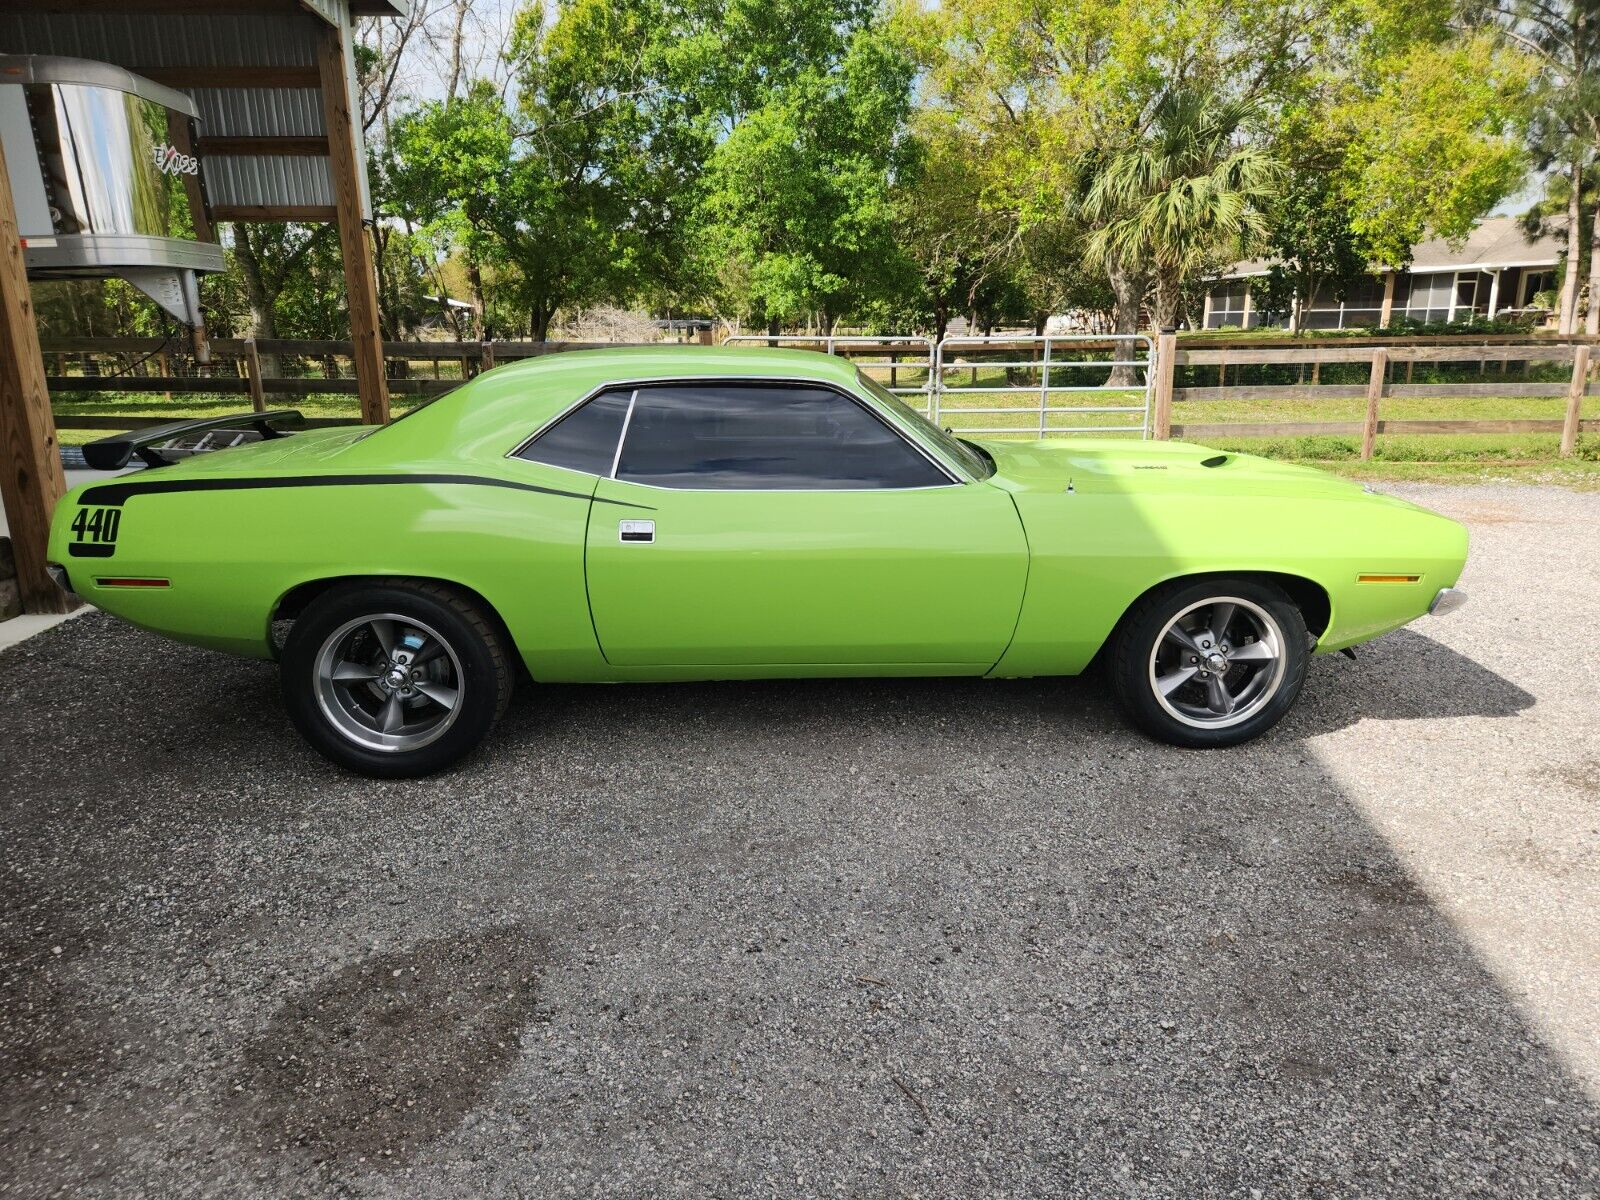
(636, 531)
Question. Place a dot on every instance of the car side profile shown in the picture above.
(691, 513)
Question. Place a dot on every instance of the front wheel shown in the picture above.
(394, 678)
(1210, 663)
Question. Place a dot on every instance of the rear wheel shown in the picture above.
(1210, 663)
(394, 678)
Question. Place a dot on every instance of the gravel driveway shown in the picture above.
(935, 938)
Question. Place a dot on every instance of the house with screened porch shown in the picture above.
(1498, 269)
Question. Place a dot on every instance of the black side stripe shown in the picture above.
(115, 494)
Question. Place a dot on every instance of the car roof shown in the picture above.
(676, 361)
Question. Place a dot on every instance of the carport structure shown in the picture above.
(280, 140)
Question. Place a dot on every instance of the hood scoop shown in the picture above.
(1216, 460)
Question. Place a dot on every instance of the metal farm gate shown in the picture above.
(1019, 384)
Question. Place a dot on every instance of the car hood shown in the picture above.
(1121, 465)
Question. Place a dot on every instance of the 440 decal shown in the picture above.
(94, 532)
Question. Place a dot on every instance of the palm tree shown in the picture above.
(1184, 187)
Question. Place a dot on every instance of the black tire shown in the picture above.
(1189, 716)
(475, 660)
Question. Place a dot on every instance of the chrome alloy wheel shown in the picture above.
(1217, 662)
(388, 682)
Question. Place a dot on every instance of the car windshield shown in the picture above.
(974, 458)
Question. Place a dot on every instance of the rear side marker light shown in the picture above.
(1387, 578)
(132, 582)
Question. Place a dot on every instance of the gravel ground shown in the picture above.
(938, 938)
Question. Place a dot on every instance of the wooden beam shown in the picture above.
(257, 147)
(232, 77)
(1166, 365)
(1232, 429)
(31, 478)
(252, 367)
(181, 134)
(1580, 376)
(1369, 431)
(274, 212)
(361, 281)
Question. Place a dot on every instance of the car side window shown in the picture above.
(586, 438)
(765, 437)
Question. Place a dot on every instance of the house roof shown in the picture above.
(1496, 242)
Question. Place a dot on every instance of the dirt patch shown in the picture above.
(1583, 777)
(391, 1052)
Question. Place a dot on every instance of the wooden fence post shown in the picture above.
(1166, 362)
(1369, 431)
(1575, 390)
(487, 355)
(252, 373)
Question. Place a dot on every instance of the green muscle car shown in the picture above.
(687, 513)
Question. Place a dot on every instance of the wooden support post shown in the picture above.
(488, 356)
(252, 372)
(1166, 364)
(361, 282)
(181, 135)
(31, 479)
(1369, 431)
(1575, 390)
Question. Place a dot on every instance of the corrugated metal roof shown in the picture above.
(280, 179)
(259, 112)
(135, 40)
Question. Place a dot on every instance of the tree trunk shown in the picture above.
(1166, 298)
(455, 50)
(941, 318)
(774, 326)
(263, 320)
(1040, 320)
(1591, 319)
(539, 318)
(1128, 287)
(475, 281)
(1569, 285)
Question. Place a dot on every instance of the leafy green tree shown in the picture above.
(1309, 238)
(952, 239)
(1430, 136)
(798, 195)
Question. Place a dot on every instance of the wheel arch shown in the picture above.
(302, 595)
(1309, 596)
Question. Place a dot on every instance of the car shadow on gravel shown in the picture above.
(941, 937)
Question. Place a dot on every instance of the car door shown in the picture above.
(751, 523)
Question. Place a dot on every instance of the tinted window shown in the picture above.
(586, 438)
(765, 437)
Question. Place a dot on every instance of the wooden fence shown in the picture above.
(1382, 359)
(236, 369)
(417, 369)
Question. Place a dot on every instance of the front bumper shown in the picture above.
(1447, 601)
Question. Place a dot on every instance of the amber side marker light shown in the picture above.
(1387, 578)
(133, 582)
